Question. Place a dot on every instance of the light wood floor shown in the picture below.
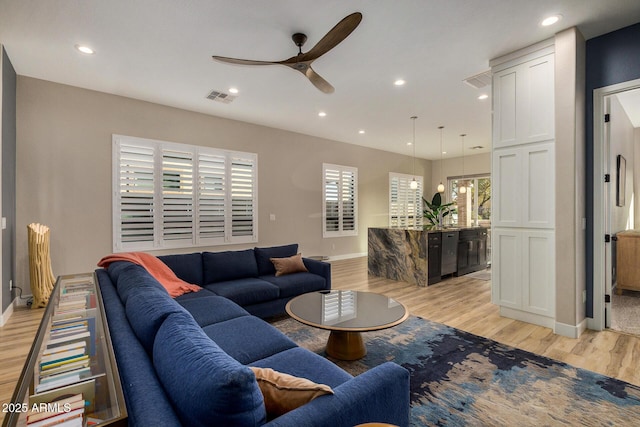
(460, 302)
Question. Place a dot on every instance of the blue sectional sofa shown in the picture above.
(185, 361)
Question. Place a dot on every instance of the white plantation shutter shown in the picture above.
(212, 190)
(135, 190)
(169, 195)
(405, 203)
(340, 201)
(243, 178)
(177, 195)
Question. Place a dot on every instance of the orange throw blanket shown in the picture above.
(158, 269)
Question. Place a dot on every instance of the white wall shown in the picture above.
(636, 177)
(622, 134)
(64, 172)
(473, 165)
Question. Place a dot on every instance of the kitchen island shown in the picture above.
(422, 256)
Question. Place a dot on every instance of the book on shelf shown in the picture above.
(86, 389)
(66, 367)
(65, 339)
(60, 411)
(61, 355)
(62, 362)
(64, 347)
(49, 382)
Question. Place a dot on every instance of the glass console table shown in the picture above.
(70, 374)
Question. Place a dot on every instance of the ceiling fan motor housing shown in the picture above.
(299, 39)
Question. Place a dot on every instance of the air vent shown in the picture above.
(218, 96)
(479, 80)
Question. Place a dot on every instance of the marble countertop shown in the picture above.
(432, 230)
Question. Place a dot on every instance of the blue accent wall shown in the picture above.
(8, 177)
(611, 58)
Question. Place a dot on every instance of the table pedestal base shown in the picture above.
(345, 345)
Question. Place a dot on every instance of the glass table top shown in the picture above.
(347, 310)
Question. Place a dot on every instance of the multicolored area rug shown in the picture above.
(460, 379)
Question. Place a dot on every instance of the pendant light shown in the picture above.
(414, 184)
(462, 189)
(441, 185)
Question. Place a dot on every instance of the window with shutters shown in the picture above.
(169, 195)
(340, 201)
(405, 203)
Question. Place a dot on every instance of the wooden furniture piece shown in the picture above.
(74, 321)
(628, 261)
(41, 275)
(346, 314)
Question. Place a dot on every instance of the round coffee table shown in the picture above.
(347, 314)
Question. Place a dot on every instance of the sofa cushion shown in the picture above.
(212, 309)
(229, 265)
(303, 363)
(140, 383)
(135, 278)
(206, 386)
(263, 257)
(289, 265)
(202, 293)
(297, 283)
(115, 268)
(245, 291)
(283, 392)
(187, 267)
(146, 311)
(248, 338)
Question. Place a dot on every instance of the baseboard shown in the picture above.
(346, 256)
(524, 316)
(22, 302)
(570, 331)
(4, 318)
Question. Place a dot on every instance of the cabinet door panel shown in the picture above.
(536, 117)
(506, 268)
(506, 188)
(539, 195)
(538, 277)
(504, 96)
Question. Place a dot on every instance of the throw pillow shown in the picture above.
(283, 392)
(292, 264)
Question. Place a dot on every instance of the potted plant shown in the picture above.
(435, 211)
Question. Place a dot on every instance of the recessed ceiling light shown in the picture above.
(361, 131)
(322, 114)
(85, 49)
(550, 20)
(409, 143)
(233, 90)
(483, 96)
(444, 152)
(399, 82)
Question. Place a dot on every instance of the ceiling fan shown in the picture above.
(302, 61)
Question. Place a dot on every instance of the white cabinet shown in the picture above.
(525, 258)
(523, 181)
(523, 185)
(523, 103)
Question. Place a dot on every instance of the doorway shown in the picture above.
(616, 123)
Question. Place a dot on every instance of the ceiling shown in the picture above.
(160, 51)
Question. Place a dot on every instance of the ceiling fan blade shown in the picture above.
(319, 82)
(338, 33)
(242, 61)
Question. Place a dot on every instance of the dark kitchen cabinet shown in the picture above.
(448, 263)
(434, 261)
(472, 251)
